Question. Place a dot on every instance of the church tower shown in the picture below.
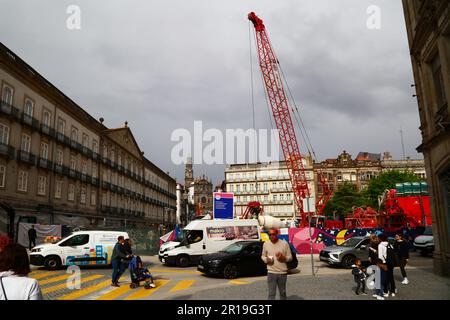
(188, 174)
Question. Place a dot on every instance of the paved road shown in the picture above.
(189, 284)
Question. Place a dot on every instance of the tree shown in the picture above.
(387, 180)
(343, 201)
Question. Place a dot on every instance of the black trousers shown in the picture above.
(359, 284)
(402, 264)
(32, 241)
(389, 282)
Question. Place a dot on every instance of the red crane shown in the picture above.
(281, 114)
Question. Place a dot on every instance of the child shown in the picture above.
(139, 273)
(360, 276)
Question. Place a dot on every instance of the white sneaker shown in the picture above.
(375, 295)
(405, 281)
(152, 285)
(380, 298)
(386, 295)
(393, 294)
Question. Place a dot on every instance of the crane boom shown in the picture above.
(281, 114)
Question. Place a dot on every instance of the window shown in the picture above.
(274, 197)
(288, 197)
(194, 236)
(25, 143)
(4, 134)
(85, 140)
(95, 146)
(2, 176)
(61, 126)
(22, 181)
(7, 95)
(93, 198)
(105, 152)
(71, 192)
(28, 107)
(78, 240)
(281, 197)
(44, 150)
(119, 159)
(73, 163)
(83, 195)
(112, 155)
(74, 134)
(84, 167)
(59, 157)
(94, 170)
(42, 183)
(265, 186)
(438, 81)
(58, 189)
(46, 118)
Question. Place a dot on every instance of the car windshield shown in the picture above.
(234, 248)
(352, 242)
(180, 236)
(428, 231)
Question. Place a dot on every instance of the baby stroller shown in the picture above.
(138, 274)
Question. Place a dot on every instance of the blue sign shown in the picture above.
(223, 205)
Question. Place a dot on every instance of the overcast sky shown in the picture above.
(163, 64)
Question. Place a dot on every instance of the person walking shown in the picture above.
(14, 269)
(117, 257)
(401, 249)
(275, 254)
(32, 235)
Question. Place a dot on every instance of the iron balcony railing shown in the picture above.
(45, 163)
(47, 130)
(6, 150)
(9, 110)
(29, 120)
(26, 157)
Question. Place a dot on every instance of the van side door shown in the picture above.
(75, 250)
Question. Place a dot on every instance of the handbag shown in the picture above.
(3, 288)
(382, 266)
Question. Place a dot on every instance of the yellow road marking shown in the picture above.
(82, 292)
(124, 288)
(64, 285)
(176, 270)
(55, 279)
(238, 282)
(182, 285)
(42, 275)
(142, 292)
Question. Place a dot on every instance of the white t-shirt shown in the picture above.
(19, 287)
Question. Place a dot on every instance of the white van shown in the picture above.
(80, 248)
(208, 236)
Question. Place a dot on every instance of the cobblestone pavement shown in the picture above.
(189, 284)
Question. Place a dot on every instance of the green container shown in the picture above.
(408, 190)
(424, 188)
(400, 189)
(416, 188)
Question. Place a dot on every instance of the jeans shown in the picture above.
(274, 280)
(383, 277)
(118, 270)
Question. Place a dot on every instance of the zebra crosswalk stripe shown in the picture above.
(143, 293)
(182, 285)
(64, 285)
(82, 292)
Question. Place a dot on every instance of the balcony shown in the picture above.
(29, 120)
(113, 165)
(47, 130)
(86, 178)
(26, 157)
(106, 185)
(45, 163)
(120, 168)
(107, 161)
(7, 150)
(74, 174)
(114, 188)
(96, 156)
(60, 137)
(9, 110)
(86, 151)
(94, 181)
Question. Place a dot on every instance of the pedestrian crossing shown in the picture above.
(97, 286)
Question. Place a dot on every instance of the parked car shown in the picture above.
(425, 242)
(345, 254)
(242, 258)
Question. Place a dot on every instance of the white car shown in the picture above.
(425, 242)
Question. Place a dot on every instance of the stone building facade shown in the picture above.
(59, 165)
(428, 28)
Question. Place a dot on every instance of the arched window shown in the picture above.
(7, 95)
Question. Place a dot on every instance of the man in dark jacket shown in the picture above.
(117, 256)
(32, 235)
(401, 249)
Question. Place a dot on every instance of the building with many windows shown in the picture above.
(59, 165)
(428, 28)
(268, 183)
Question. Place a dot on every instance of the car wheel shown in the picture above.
(348, 261)
(230, 271)
(52, 262)
(182, 261)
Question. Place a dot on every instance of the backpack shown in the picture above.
(391, 256)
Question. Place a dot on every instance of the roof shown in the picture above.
(366, 156)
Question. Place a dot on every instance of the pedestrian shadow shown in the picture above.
(295, 297)
(294, 271)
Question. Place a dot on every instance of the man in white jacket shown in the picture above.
(14, 281)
